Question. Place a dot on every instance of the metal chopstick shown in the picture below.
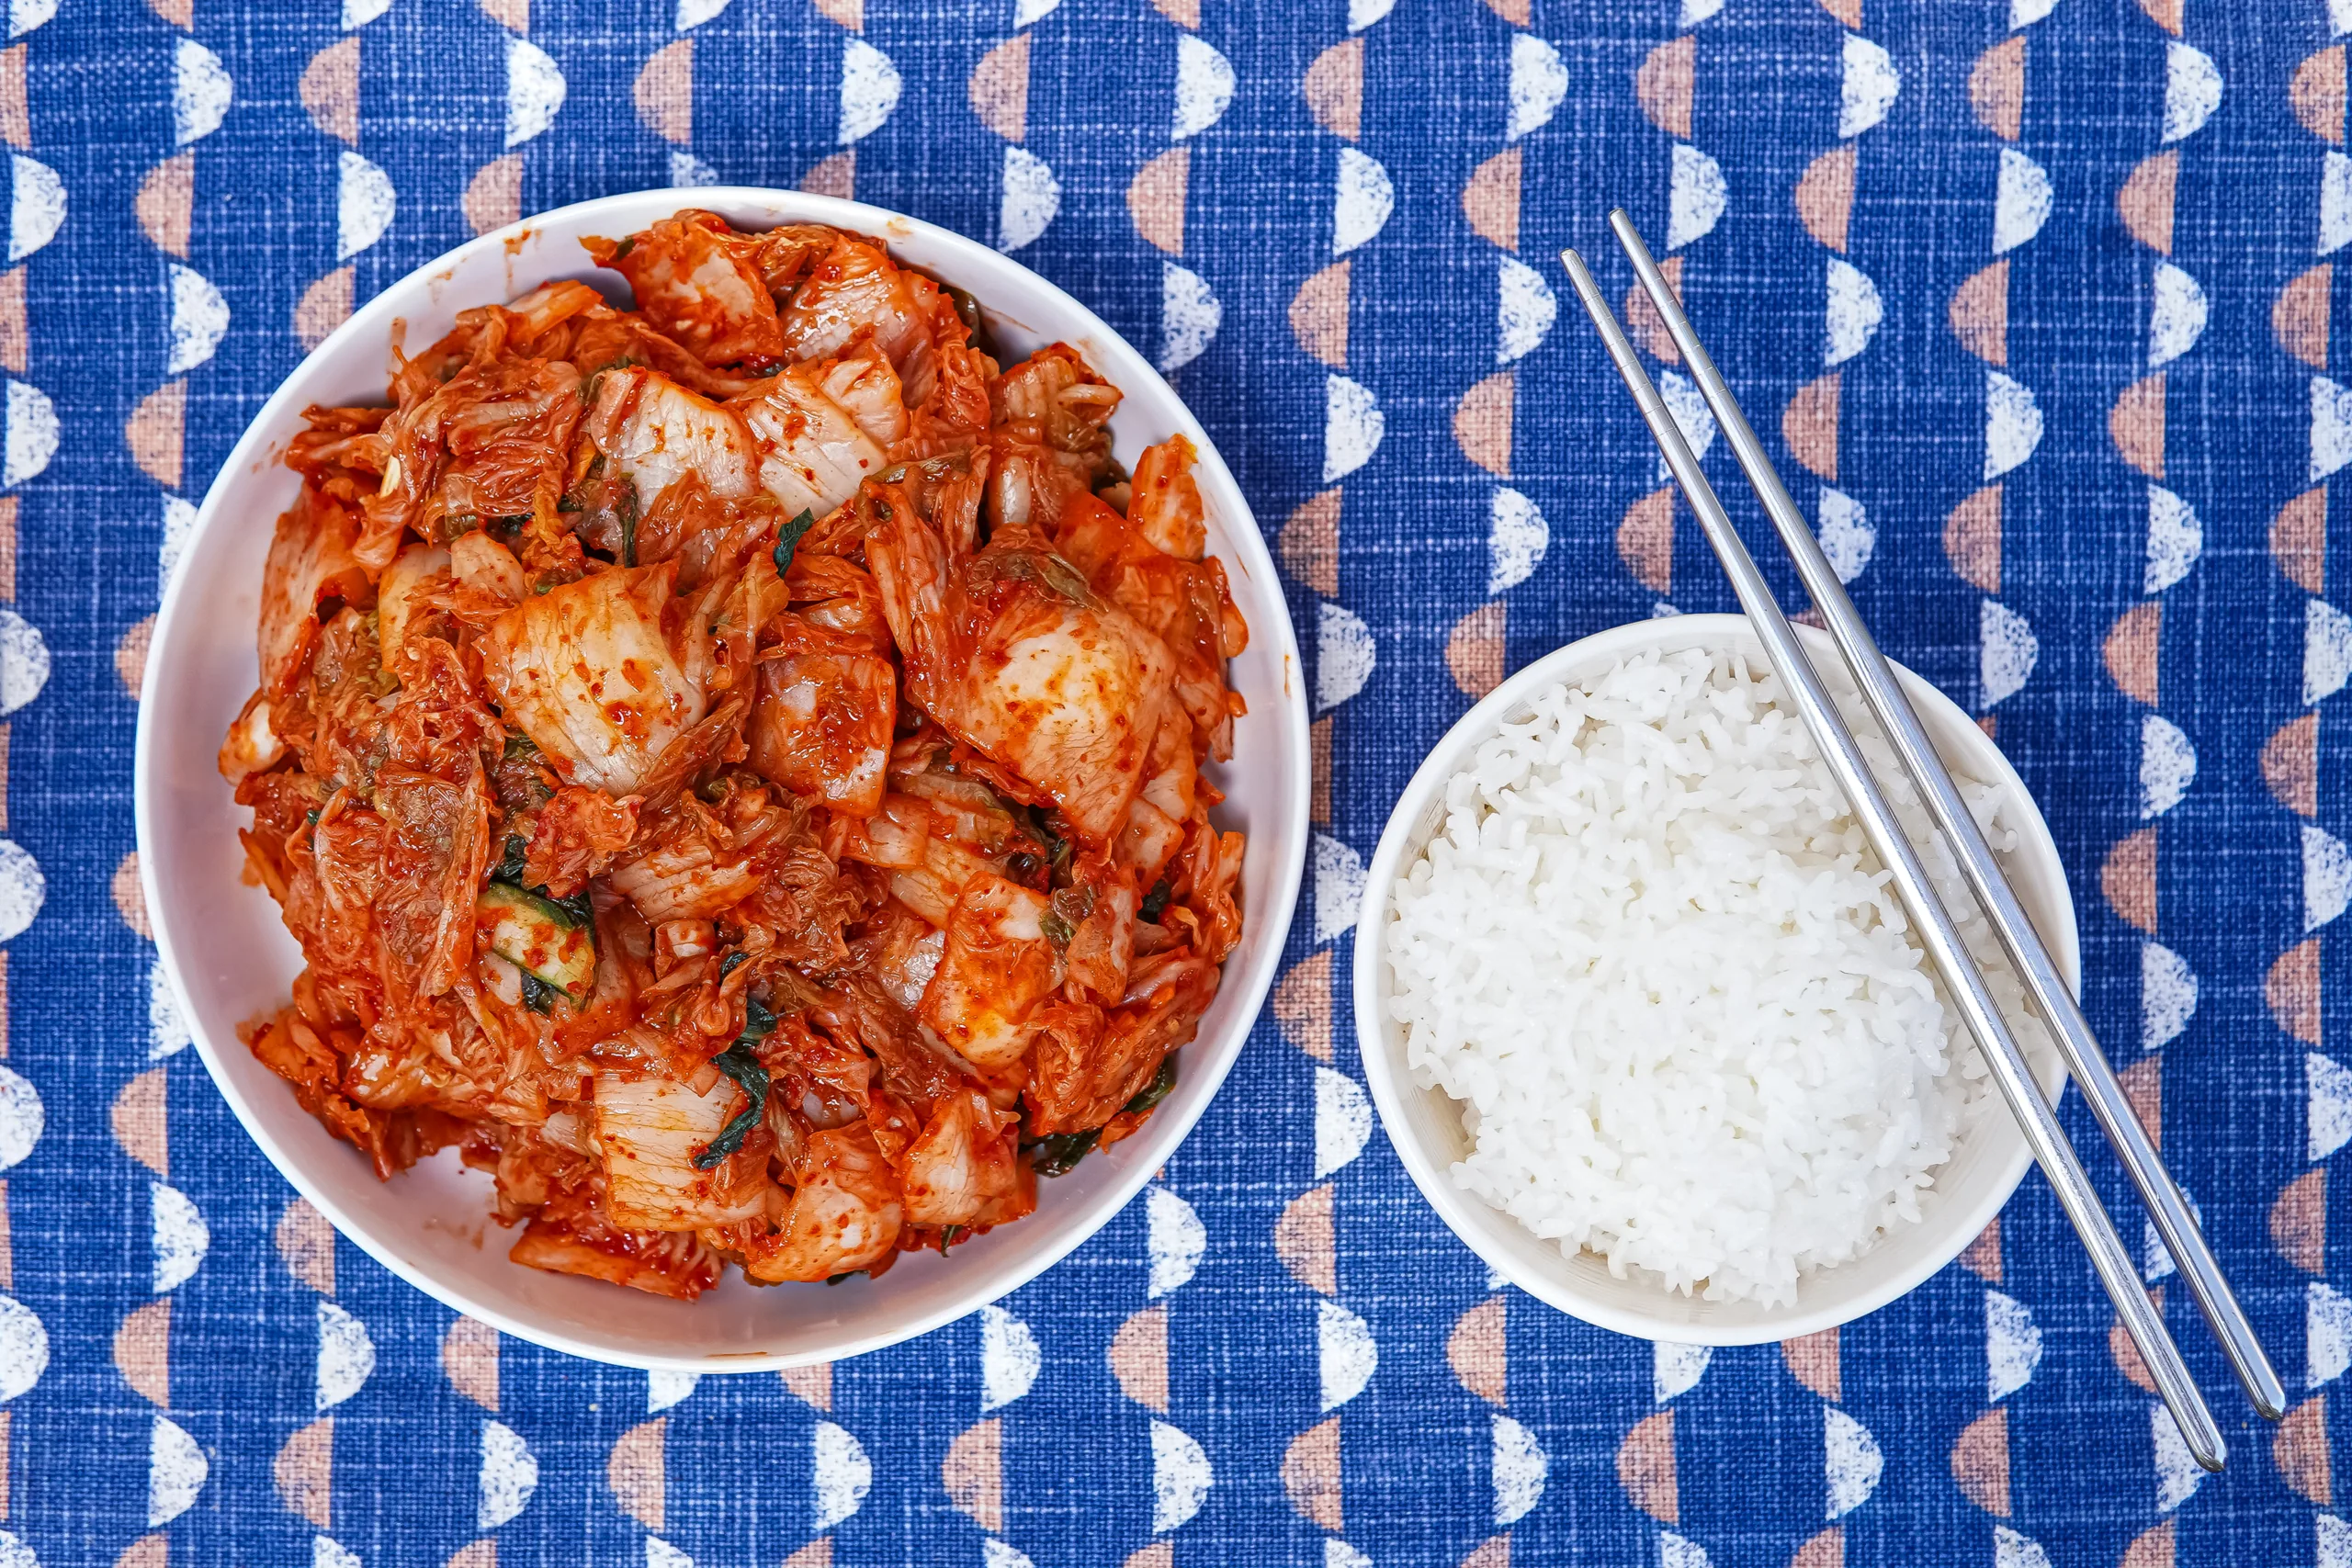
(2183, 1237)
(1938, 934)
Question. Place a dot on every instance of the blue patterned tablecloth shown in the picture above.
(2036, 298)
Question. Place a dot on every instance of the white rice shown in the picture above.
(1651, 953)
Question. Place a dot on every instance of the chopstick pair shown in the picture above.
(1962, 980)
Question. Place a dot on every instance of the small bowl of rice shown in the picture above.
(1645, 1020)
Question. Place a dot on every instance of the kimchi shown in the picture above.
(734, 765)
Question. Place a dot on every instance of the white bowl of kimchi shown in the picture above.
(496, 989)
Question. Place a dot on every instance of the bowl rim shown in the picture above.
(1468, 1218)
(377, 318)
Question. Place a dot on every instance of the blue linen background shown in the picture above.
(2036, 297)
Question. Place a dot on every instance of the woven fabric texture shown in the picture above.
(2034, 303)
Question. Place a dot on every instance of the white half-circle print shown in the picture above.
(1677, 1369)
(2327, 878)
(178, 1237)
(510, 1474)
(2328, 651)
(1867, 88)
(2331, 427)
(1847, 534)
(1343, 1121)
(2012, 423)
(2007, 652)
(1851, 1464)
(1181, 1478)
(177, 1472)
(23, 661)
(1520, 1467)
(1338, 893)
(535, 90)
(1692, 416)
(200, 91)
(1346, 1353)
(2012, 1345)
(2334, 202)
(2192, 91)
(1009, 1358)
(1344, 656)
(22, 1117)
(2178, 309)
(1517, 538)
(2011, 1549)
(2327, 1334)
(1362, 198)
(365, 203)
(1188, 316)
(1539, 84)
(870, 88)
(2167, 995)
(347, 1356)
(199, 318)
(2167, 764)
(1174, 1241)
(2021, 201)
(2327, 1106)
(31, 440)
(1851, 314)
(167, 1029)
(1525, 312)
(1204, 86)
(1695, 197)
(1032, 198)
(36, 206)
(840, 1475)
(1353, 427)
(179, 527)
(2177, 1473)
(2175, 538)
(24, 1347)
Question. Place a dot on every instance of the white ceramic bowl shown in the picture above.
(231, 959)
(1425, 1124)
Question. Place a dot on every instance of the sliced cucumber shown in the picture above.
(537, 936)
